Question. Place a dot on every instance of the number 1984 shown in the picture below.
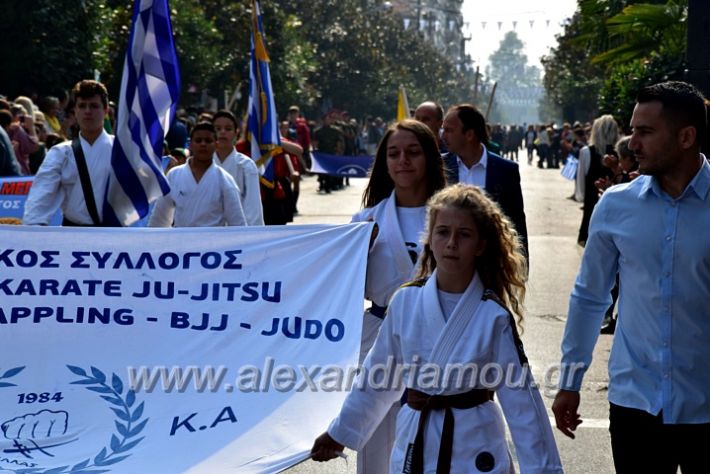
(43, 397)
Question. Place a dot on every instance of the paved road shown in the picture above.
(553, 221)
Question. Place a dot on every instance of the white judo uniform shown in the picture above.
(57, 183)
(479, 332)
(389, 265)
(246, 175)
(214, 201)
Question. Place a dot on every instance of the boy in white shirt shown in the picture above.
(239, 166)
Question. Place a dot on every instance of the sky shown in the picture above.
(481, 19)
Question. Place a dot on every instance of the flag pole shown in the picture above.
(262, 121)
(490, 100)
(402, 104)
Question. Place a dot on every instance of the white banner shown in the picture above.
(174, 350)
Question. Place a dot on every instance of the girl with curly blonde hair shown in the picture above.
(451, 336)
(501, 264)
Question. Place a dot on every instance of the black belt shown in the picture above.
(378, 311)
(425, 403)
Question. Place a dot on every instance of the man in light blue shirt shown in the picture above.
(655, 232)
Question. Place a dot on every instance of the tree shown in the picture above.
(571, 81)
(519, 88)
(323, 52)
(363, 56)
(651, 46)
(43, 48)
(609, 50)
(644, 30)
(509, 65)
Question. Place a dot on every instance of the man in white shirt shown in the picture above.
(468, 161)
(58, 182)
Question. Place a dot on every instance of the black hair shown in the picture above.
(60, 93)
(87, 89)
(203, 126)
(381, 185)
(5, 118)
(226, 114)
(472, 119)
(439, 111)
(683, 105)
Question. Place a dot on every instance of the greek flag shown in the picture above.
(262, 122)
(149, 94)
(569, 170)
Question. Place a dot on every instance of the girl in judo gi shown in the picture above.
(453, 336)
(407, 171)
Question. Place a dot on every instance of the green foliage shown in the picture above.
(571, 81)
(43, 47)
(324, 53)
(231, 20)
(198, 42)
(592, 30)
(646, 29)
(113, 20)
(297, 63)
(609, 50)
(618, 95)
(362, 56)
(652, 41)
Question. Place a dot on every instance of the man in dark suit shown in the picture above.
(468, 161)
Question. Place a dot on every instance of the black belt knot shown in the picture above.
(425, 403)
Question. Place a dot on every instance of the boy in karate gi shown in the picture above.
(201, 193)
(238, 165)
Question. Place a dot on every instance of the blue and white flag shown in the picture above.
(149, 95)
(262, 122)
(356, 166)
(569, 170)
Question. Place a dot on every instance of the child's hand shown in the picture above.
(565, 409)
(602, 184)
(326, 448)
(611, 162)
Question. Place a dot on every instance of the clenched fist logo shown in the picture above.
(30, 432)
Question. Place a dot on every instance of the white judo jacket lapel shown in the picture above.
(394, 237)
(464, 313)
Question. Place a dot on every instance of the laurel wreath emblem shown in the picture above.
(129, 421)
(9, 374)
